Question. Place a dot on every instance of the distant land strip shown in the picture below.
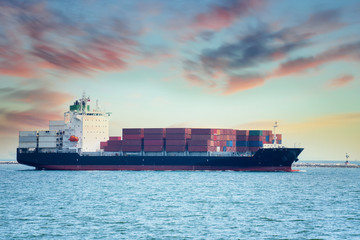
(9, 162)
(330, 165)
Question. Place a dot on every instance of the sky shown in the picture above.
(240, 64)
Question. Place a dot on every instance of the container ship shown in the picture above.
(81, 142)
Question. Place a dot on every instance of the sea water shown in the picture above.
(315, 203)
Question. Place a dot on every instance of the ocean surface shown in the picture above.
(315, 203)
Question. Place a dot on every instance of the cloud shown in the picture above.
(37, 39)
(300, 65)
(223, 15)
(268, 45)
(341, 81)
(243, 82)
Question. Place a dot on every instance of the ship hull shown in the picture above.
(279, 159)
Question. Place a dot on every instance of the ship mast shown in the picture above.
(275, 138)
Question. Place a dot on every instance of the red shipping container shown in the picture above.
(193, 142)
(132, 142)
(178, 130)
(154, 136)
(242, 138)
(114, 138)
(198, 148)
(175, 142)
(278, 136)
(114, 143)
(103, 144)
(133, 137)
(131, 148)
(175, 148)
(153, 142)
(256, 138)
(177, 136)
(154, 131)
(133, 131)
(201, 131)
(201, 137)
(242, 132)
(112, 148)
(267, 132)
(153, 148)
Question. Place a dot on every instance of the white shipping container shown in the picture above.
(49, 138)
(47, 144)
(27, 133)
(27, 139)
(47, 133)
(27, 145)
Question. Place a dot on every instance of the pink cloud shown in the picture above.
(341, 81)
(241, 83)
(223, 16)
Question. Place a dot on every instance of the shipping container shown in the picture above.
(27, 138)
(27, 133)
(131, 148)
(154, 136)
(48, 145)
(132, 142)
(114, 143)
(256, 138)
(198, 148)
(154, 131)
(255, 132)
(133, 137)
(49, 138)
(201, 137)
(242, 138)
(48, 133)
(201, 131)
(175, 148)
(103, 144)
(178, 130)
(242, 132)
(153, 142)
(242, 143)
(133, 131)
(27, 145)
(178, 136)
(112, 148)
(255, 143)
(175, 142)
(193, 142)
(153, 148)
(115, 138)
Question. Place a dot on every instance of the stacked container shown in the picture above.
(201, 140)
(176, 139)
(242, 137)
(154, 139)
(114, 144)
(28, 139)
(50, 139)
(133, 139)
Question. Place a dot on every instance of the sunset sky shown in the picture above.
(239, 64)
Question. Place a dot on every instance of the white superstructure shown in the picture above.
(81, 130)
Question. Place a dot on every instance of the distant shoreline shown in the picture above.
(9, 162)
(329, 165)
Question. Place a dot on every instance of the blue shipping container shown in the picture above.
(241, 143)
(255, 133)
(267, 138)
(255, 144)
(224, 149)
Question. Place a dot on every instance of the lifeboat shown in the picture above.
(73, 138)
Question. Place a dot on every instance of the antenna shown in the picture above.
(347, 156)
(274, 138)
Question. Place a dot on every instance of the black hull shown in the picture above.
(279, 159)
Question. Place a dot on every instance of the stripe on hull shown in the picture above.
(162, 168)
